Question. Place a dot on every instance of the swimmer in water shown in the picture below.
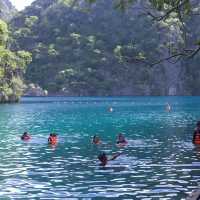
(121, 139)
(103, 158)
(25, 136)
(196, 135)
(53, 139)
(96, 140)
(110, 109)
(168, 107)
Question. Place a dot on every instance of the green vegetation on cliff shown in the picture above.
(81, 48)
(12, 66)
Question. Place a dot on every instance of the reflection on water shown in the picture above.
(159, 161)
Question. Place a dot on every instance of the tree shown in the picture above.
(161, 11)
(12, 66)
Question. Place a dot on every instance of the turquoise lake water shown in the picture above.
(159, 162)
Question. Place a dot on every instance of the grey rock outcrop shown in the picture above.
(35, 90)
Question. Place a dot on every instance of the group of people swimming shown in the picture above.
(120, 142)
(103, 158)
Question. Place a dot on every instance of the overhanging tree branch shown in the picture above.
(185, 54)
(194, 52)
(177, 8)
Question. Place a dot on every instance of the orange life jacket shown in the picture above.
(196, 138)
(53, 140)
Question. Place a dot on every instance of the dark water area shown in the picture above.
(159, 162)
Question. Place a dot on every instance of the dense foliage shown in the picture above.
(81, 48)
(12, 66)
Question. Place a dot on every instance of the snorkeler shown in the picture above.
(53, 139)
(104, 159)
(25, 136)
(96, 140)
(121, 139)
(196, 135)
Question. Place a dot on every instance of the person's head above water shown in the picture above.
(103, 158)
(120, 136)
(198, 124)
(121, 139)
(25, 136)
(52, 139)
(25, 133)
(102, 155)
(53, 135)
(96, 139)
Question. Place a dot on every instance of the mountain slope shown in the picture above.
(97, 50)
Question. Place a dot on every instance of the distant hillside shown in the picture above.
(7, 10)
(85, 49)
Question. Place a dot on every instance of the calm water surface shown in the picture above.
(159, 162)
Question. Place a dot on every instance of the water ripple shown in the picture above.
(159, 162)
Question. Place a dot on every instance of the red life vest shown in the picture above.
(196, 139)
(53, 140)
(27, 137)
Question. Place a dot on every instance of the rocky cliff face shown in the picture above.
(7, 10)
(94, 50)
